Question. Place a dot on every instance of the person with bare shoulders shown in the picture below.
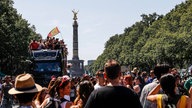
(59, 93)
(64, 91)
(41, 96)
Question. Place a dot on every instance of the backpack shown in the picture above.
(169, 104)
(55, 103)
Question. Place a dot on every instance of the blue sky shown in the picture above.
(98, 19)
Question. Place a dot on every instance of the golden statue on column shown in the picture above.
(75, 14)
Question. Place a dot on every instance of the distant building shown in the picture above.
(89, 62)
(87, 68)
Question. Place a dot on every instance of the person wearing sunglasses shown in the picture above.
(100, 79)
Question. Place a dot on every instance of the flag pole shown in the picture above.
(61, 34)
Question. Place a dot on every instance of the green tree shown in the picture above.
(15, 35)
(154, 39)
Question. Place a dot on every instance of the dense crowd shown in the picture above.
(162, 87)
(49, 43)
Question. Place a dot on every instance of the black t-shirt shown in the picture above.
(113, 97)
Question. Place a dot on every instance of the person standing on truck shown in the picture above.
(34, 45)
(41, 44)
(56, 44)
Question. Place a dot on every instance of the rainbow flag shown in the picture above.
(53, 32)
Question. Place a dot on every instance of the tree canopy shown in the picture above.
(15, 36)
(155, 39)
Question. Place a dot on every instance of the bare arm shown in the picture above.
(189, 104)
(152, 98)
(44, 103)
(152, 95)
(68, 104)
(136, 88)
(155, 90)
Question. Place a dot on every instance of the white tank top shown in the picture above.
(63, 104)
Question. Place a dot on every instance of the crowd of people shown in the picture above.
(49, 43)
(162, 87)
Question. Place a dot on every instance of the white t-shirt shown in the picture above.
(96, 86)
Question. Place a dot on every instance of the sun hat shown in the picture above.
(24, 83)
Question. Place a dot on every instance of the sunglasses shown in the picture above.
(101, 75)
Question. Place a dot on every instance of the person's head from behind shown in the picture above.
(51, 82)
(42, 95)
(85, 77)
(112, 69)
(161, 69)
(25, 88)
(84, 89)
(168, 84)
